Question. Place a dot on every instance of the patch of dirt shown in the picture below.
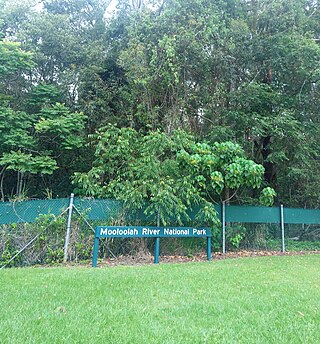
(144, 259)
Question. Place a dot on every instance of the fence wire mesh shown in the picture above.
(253, 237)
(47, 248)
(302, 237)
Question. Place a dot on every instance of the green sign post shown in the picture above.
(149, 232)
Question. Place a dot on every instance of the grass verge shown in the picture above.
(249, 300)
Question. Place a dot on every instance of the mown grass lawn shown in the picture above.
(249, 300)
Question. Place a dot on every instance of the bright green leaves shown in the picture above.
(90, 182)
(34, 144)
(244, 172)
(168, 45)
(15, 129)
(61, 126)
(22, 162)
(17, 161)
(43, 164)
(139, 169)
(115, 154)
(43, 95)
(207, 214)
(165, 174)
(217, 181)
(234, 175)
(267, 196)
(57, 129)
(227, 152)
(166, 202)
(13, 58)
(14, 62)
(220, 165)
(115, 150)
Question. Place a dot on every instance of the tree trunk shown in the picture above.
(1, 183)
(20, 181)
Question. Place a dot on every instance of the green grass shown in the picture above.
(249, 300)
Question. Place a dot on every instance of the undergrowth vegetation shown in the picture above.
(48, 248)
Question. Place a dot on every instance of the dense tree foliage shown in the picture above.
(237, 75)
(168, 173)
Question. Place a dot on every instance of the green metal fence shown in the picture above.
(37, 231)
(29, 211)
(254, 214)
(105, 209)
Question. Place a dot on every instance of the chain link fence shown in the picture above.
(46, 238)
(34, 232)
(302, 237)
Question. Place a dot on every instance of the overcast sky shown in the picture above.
(112, 5)
(110, 8)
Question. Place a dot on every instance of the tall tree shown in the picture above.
(166, 175)
(240, 71)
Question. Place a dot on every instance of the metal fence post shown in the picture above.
(157, 243)
(66, 242)
(223, 227)
(209, 248)
(283, 249)
(95, 251)
(156, 251)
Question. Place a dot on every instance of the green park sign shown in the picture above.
(149, 232)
